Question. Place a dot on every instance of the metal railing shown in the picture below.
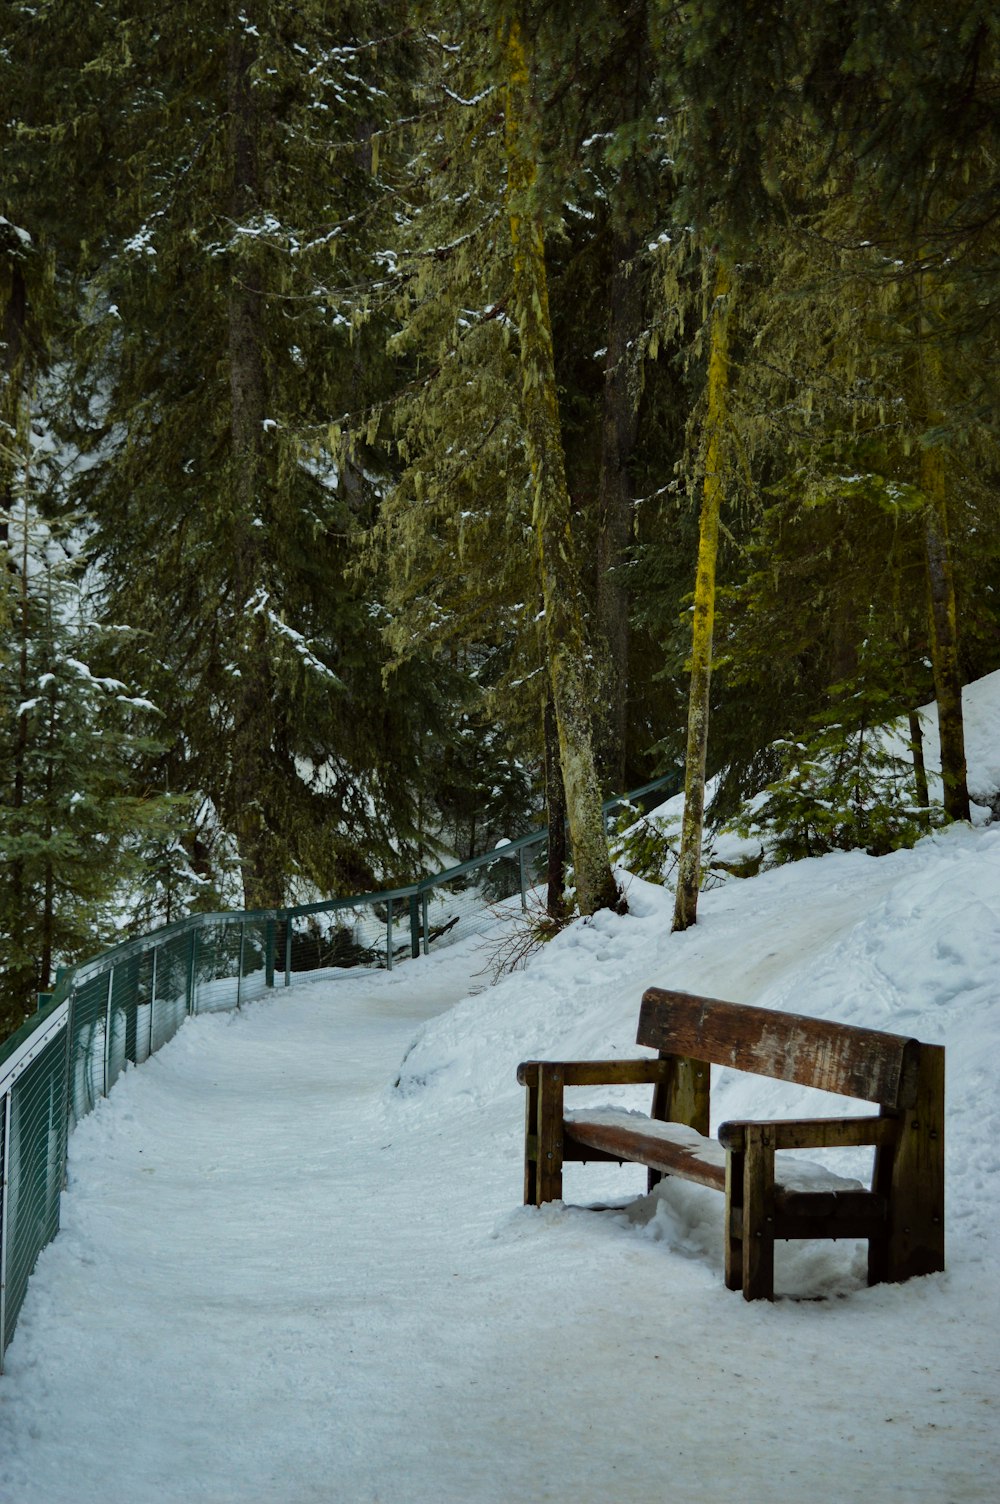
(119, 1007)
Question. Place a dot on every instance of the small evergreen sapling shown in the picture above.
(844, 785)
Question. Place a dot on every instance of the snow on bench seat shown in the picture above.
(674, 1146)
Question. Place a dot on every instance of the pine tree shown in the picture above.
(230, 348)
(73, 828)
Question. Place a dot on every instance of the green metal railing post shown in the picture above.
(239, 964)
(67, 1072)
(107, 1029)
(388, 934)
(191, 971)
(4, 1220)
(269, 953)
(522, 877)
(152, 1000)
(425, 923)
(288, 950)
(414, 925)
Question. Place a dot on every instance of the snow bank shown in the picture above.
(294, 1266)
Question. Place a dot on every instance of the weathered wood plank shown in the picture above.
(651, 1144)
(531, 1140)
(858, 1214)
(910, 1174)
(550, 1133)
(735, 1168)
(598, 1072)
(758, 1213)
(824, 1204)
(853, 1062)
(817, 1133)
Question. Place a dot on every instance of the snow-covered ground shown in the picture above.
(294, 1266)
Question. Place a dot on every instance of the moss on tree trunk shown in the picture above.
(569, 660)
(689, 866)
(942, 610)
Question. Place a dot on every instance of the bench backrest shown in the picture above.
(839, 1058)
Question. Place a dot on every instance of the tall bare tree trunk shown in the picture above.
(250, 814)
(917, 753)
(555, 809)
(15, 317)
(567, 651)
(689, 865)
(942, 609)
(619, 426)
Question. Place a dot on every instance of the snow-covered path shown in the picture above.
(283, 1279)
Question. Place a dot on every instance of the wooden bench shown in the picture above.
(901, 1214)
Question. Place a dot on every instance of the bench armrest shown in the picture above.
(813, 1133)
(595, 1072)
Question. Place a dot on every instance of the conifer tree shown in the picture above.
(461, 531)
(566, 647)
(226, 354)
(74, 828)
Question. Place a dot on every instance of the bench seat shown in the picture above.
(632, 1137)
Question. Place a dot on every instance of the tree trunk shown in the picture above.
(555, 806)
(919, 768)
(689, 863)
(944, 639)
(567, 651)
(619, 425)
(49, 893)
(250, 814)
(15, 317)
(942, 610)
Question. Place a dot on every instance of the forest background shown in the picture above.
(416, 415)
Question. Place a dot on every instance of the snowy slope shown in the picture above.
(294, 1267)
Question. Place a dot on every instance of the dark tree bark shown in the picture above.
(567, 650)
(555, 805)
(692, 830)
(253, 713)
(619, 426)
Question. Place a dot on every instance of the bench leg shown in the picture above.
(758, 1214)
(749, 1228)
(543, 1138)
(734, 1220)
(910, 1174)
(531, 1143)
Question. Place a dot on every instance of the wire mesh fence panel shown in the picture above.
(473, 900)
(217, 966)
(87, 1035)
(257, 959)
(139, 1039)
(129, 994)
(170, 988)
(350, 935)
(535, 863)
(33, 1169)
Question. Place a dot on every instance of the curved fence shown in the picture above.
(121, 1006)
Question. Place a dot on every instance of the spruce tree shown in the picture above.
(75, 830)
(230, 348)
